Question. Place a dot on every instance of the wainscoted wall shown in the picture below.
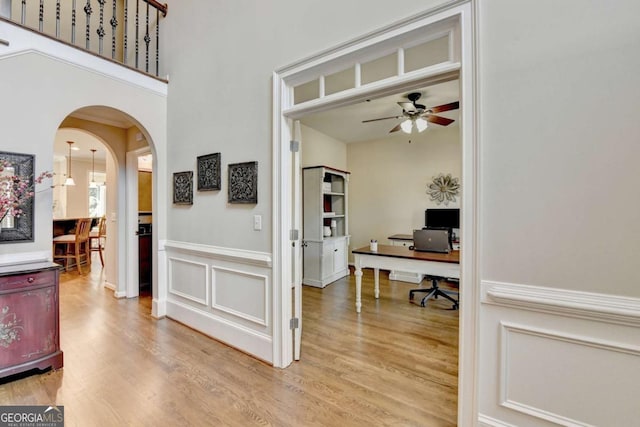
(224, 293)
(558, 357)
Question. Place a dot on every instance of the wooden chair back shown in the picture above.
(102, 227)
(83, 228)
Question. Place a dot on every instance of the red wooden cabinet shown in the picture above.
(29, 318)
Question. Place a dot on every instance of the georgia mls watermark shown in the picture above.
(32, 416)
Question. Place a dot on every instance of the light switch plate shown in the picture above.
(257, 222)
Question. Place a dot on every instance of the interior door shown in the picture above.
(296, 245)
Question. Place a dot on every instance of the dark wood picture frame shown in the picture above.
(243, 182)
(208, 169)
(183, 188)
(22, 227)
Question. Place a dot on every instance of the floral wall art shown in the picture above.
(443, 189)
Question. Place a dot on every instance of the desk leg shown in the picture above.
(358, 274)
(376, 281)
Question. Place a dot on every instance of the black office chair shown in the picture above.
(434, 292)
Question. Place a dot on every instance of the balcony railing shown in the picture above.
(131, 26)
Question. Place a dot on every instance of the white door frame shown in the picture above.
(131, 221)
(284, 79)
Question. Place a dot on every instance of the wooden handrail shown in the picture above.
(161, 7)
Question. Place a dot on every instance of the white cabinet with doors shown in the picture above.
(325, 227)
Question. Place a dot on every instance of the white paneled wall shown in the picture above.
(224, 293)
(561, 357)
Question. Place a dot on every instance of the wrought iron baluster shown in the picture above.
(100, 30)
(114, 24)
(137, 28)
(157, 42)
(41, 16)
(126, 30)
(88, 11)
(23, 15)
(58, 19)
(73, 22)
(147, 40)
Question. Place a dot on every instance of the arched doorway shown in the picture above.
(117, 135)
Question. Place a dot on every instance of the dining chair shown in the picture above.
(99, 236)
(74, 246)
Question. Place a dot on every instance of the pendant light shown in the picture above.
(93, 169)
(69, 180)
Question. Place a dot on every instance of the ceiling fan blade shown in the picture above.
(443, 121)
(408, 107)
(381, 118)
(396, 128)
(445, 107)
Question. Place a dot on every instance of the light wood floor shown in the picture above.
(394, 364)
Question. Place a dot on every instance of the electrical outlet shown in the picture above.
(257, 222)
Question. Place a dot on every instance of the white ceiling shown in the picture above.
(83, 142)
(345, 123)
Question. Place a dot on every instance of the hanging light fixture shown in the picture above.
(93, 169)
(421, 124)
(69, 180)
(406, 126)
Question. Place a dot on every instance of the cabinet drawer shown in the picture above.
(26, 280)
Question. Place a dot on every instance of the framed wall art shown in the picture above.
(243, 182)
(183, 188)
(209, 172)
(16, 171)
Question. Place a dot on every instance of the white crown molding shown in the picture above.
(565, 302)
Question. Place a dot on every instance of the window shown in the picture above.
(98, 195)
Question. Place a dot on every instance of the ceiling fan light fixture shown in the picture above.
(406, 126)
(421, 124)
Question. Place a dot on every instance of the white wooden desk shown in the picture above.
(400, 258)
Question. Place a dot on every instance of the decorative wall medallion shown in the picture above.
(443, 189)
(9, 328)
(209, 172)
(243, 182)
(183, 188)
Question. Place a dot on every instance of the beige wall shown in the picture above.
(144, 191)
(76, 200)
(319, 149)
(389, 177)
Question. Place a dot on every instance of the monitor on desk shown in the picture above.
(442, 218)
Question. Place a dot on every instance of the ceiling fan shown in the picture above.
(418, 115)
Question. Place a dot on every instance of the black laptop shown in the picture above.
(431, 240)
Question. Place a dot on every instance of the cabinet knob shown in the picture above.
(335, 250)
(31, 280)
